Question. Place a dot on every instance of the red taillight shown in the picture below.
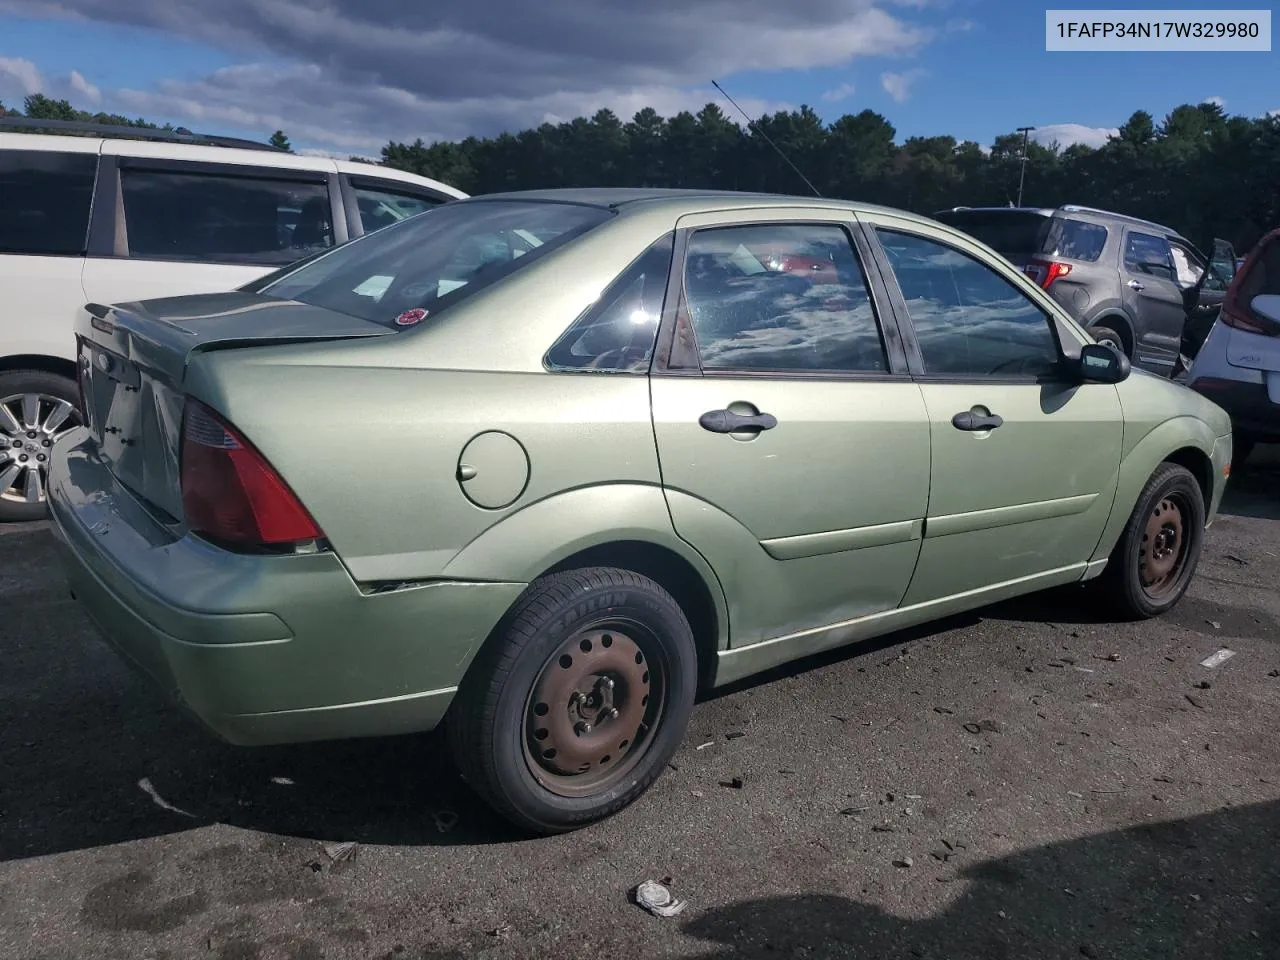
(1044, 272)
(1235, 310)
(229, 491)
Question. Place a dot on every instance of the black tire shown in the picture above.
(1104, 333)
(494, 726)
(1171, 499)
(50, 387)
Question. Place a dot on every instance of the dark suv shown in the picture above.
(1133, 283)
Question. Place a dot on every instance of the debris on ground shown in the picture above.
(1217, 659)
(1215, 624)
(703, 746)
(734, 735)
(1111, 658)
(906, 863)
(1074, 795)
(1202, 685)
(882, 828)
(973, 728)
(733, 784)
(658, 900)
(1234, 559)
(697, 793)
(339, 852)
(853, 811)
(500, 932)
(943, 710)
(282, 781)
(145, 785)
(445, 820)
(1274, 673)
(1194, 702)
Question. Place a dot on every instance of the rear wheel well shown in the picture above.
(1120, 324)
(28, 361)
(675, 575)
(1201, 468)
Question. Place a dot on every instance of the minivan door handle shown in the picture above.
(1134, 285)
(727, 421)
(970, 420)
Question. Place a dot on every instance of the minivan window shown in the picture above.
(430, 262)
(204, 218)
(45, 200)
(382, 208)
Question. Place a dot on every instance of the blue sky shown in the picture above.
(972, 68)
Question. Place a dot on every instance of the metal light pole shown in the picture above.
(1022, 176)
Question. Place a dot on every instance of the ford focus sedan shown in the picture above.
(541, 466)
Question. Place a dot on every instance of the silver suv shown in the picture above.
(1135, 284)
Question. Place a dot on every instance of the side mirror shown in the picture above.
(1267, 306)
(1102, 364)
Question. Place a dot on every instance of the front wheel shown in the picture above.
(1158, 552)
(578, 702)
(1109, 337)
(36, 409)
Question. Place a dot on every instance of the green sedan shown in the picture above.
(541, 466)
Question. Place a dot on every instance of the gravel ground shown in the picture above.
(1024, 782)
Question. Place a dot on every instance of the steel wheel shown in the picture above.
(592, 708)
(1163, 551)
(30, 424)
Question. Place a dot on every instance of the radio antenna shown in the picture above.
(756, 129)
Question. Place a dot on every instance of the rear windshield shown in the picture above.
(411, 270)
(1025, 233)
(1007, 232)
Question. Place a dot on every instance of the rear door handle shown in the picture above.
(1134, 285)
(969, 420)
(726, 421)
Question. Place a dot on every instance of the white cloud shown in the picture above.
(86, 89)
(1069, 134)
(836, 94)
(898, 85)
(1218, 102)
(1274, 113)
(19, 78)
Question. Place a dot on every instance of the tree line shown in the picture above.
(1198, 170)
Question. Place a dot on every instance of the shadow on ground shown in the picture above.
(1196, 888)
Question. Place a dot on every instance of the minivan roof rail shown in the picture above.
(124, 132)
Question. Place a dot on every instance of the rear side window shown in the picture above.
(418, 267)
(785, 298)
(45, 200)
(1075, 240)
(1145, 253)
(617, 334)
(205, 218)
(382, 208)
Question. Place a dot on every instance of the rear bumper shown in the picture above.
(262, 649)
(1248, 403)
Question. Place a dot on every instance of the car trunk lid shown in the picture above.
(132, 364)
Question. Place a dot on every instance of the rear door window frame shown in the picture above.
(349, 183)
(674, 356)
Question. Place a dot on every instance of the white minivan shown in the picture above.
(91, 218)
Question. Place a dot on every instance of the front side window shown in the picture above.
(780, 297)
(45, 199)
(422, 265)
(1187, 267)
(617, 334)
(1144, 253)
(382, 208)
(203, 218)
(968, 319)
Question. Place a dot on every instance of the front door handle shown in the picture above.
(726, 421)
(970, 420)
(1134, 285)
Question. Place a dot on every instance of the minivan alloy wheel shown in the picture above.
(30, 424)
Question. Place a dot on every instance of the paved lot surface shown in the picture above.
(1104, 807)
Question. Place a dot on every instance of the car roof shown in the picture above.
(624, 199)
(1075, 210)
(208, 153)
